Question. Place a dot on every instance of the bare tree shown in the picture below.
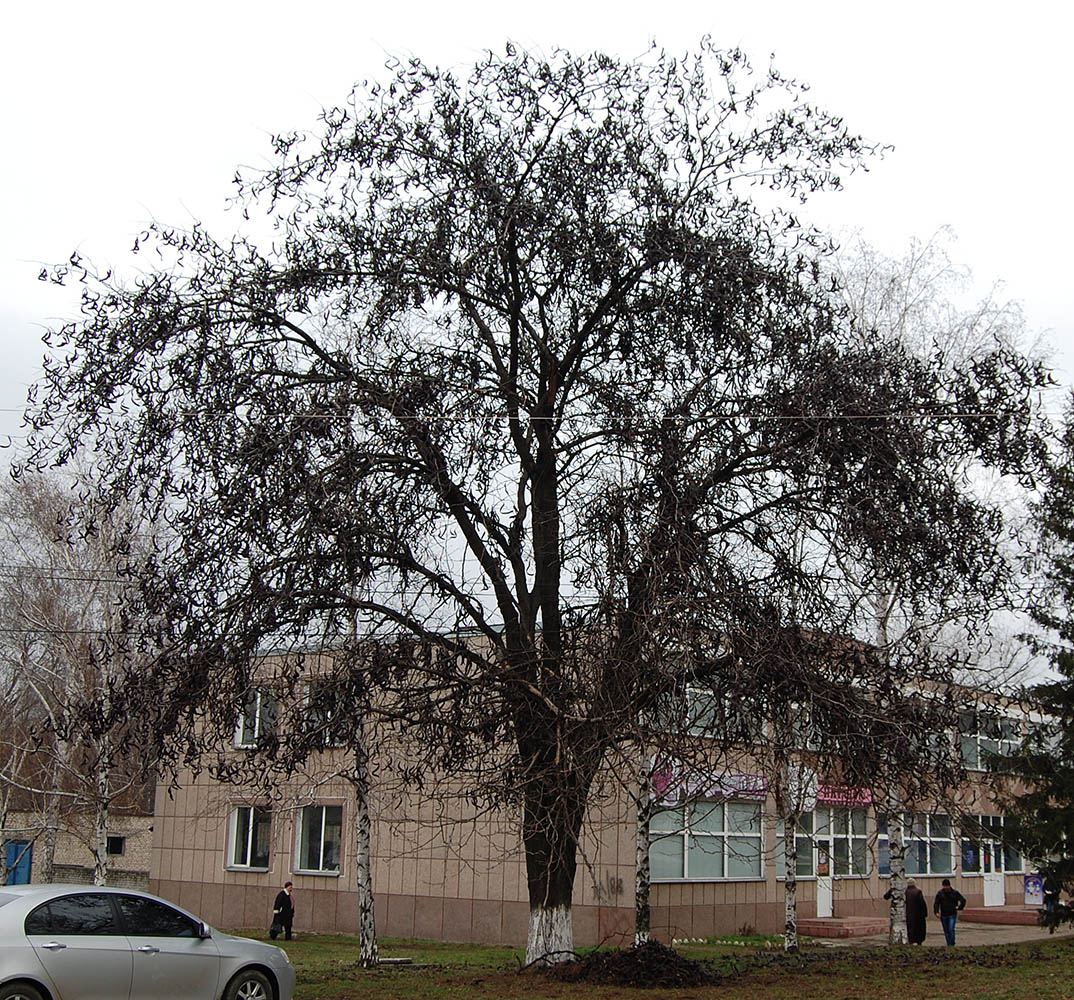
(523, 384)
(62, 594)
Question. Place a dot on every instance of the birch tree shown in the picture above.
(62, 597)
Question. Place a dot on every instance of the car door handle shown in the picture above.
(149, 949)
(54, 946)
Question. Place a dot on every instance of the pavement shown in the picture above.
(966, 934)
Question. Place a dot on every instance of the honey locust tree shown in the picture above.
(518, 376)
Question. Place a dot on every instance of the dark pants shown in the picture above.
(946, 921)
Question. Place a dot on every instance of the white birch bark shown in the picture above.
(883, 605)
(368, 954)
(100, 824)
(790, 882)
(897, 849)
(642, 880)
(46, 871)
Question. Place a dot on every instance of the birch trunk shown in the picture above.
(46, 871)
(883, 605)
(368, 955)
(790, 883)
(642, 881)
(897, 848)
(100, 823)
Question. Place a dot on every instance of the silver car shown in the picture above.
(77, 942)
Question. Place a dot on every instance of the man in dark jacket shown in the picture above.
(946, 906)
(283, 911)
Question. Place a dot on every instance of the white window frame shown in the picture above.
(718, 840)
(983, 732)
(300, 840)
(832, 818)
(925, 830)
(245, 842)
(260, 707)
(973, 837)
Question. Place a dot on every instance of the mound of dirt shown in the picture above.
(650, 965)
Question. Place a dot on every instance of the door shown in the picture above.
(77, 940)
(824, 878)
(18, 861)
(171, 959)
(992, 873)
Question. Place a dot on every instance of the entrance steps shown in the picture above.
(1000, 914)
(841, 927)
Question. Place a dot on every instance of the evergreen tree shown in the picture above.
(1040, 812)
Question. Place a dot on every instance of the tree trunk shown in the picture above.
(790, 882)
(642, 882)
(100, 824)
(550, 827)
(46, 870)
(368, 955)
(897, 887)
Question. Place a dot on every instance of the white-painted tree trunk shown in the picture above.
(551, 934)
(642, 880)
(368, 954)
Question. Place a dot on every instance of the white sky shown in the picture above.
(116, 113)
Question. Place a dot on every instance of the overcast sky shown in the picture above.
(117, 113)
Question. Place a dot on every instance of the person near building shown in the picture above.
(946, 906)
(917, 911)
(283, 912)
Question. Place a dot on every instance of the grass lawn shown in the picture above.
(327, 970)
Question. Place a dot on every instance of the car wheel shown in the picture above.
(20, 991)
(247, 985)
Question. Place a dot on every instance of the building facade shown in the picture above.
(443, 869)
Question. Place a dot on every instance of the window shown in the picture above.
(842, 829)
(929, 842)
(116, 846)
(321, 720)
(320, 838)
(707, 840)
(982, 734)
(148, 918)
(85, 913)
(704, 713)
(250, 837)
(258, 719)
(983, 849)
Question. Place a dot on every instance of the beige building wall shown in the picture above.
(444, 871)
(74, 859)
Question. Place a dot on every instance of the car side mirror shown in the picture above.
(204, 930)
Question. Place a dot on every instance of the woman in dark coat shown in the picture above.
(917, 912)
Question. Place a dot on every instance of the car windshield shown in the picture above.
(6, 897)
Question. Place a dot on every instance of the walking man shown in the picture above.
(946, 906)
